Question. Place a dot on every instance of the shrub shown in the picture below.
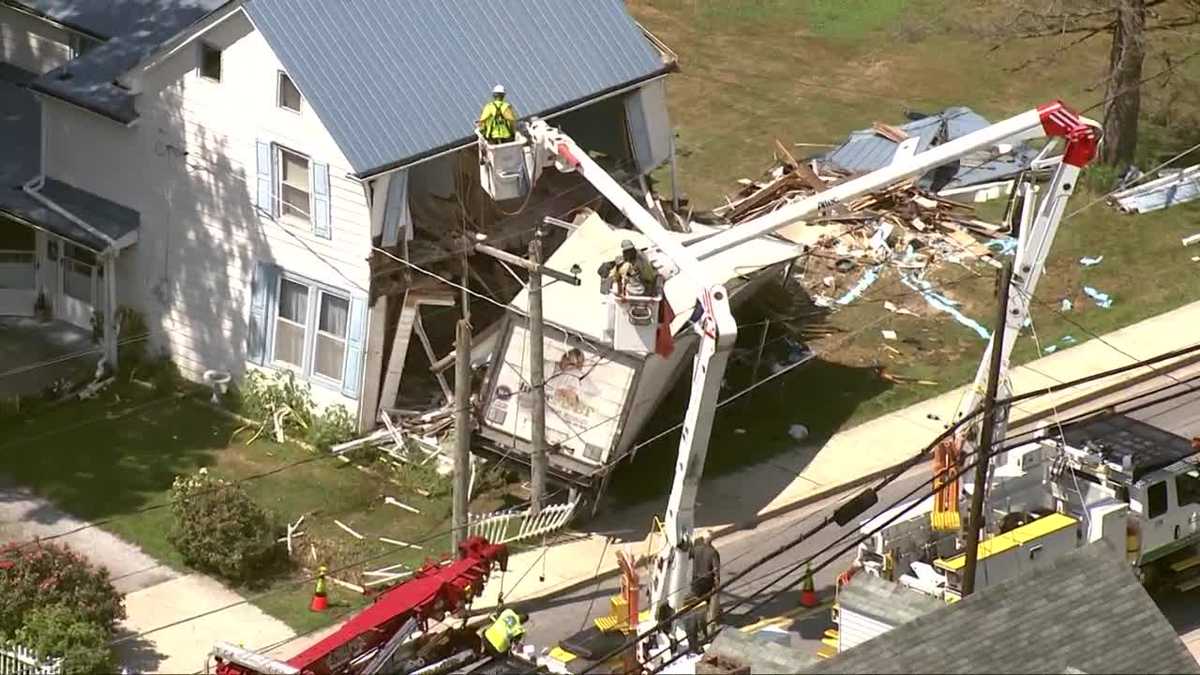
(262, 396)
(331, 427)
(221, 530)
(63, 631)
(41, 574)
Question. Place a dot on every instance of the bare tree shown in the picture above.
(1126, 23)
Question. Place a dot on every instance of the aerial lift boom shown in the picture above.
(716, 326)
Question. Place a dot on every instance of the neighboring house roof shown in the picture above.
(397, 81)
(20, 132)
(1084, 611)
(134, 29)
(865, 150)
(885, 601)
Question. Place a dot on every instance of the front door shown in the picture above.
(80, 286)
(18, 269)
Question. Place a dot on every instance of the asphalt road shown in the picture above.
(553, 619)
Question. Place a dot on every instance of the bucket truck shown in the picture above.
(543, 145)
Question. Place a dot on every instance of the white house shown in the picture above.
(227, 168)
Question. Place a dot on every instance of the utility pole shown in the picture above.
(462, 430)
(538, 376)
(984, 447)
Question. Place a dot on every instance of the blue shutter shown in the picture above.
(321, 227)
(266, 180)
(262, 291)
(396, 216)
(356, 340)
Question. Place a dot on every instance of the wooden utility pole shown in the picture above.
(537, 375)
(462, 430)
(984, 448)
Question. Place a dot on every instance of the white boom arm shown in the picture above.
(717, 328)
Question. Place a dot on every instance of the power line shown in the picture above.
(291, 584)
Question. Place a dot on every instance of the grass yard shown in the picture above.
(809, 72)
(115, 457)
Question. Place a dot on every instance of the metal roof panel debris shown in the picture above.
(1177, 187)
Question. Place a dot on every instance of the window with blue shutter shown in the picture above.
(321, 225)
(356, 341)
(264, 199)
(262, 293)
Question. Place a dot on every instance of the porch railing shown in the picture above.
(17, 660)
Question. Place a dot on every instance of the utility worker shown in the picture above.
(506, 630)
(706, 574)
(497, 122)
(631, 272)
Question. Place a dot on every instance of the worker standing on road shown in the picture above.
(497, 121)
(706, 574)
(507, 630)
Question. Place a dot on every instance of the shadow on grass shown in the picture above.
(113, 455)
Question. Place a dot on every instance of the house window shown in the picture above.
(289, 95)
(210, 62)
(1157, 496)
(294, 181)
(1187, 488)
(291, 323)
(332, 319)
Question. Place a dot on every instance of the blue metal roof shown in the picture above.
(395, 81)
(112, 18)
(866, 150)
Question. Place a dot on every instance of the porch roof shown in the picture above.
(20, 134)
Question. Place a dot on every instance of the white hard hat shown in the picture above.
(498, 89)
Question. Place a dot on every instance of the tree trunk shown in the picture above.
(1123, 94)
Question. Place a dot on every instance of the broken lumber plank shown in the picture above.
(806, 174)
(346, 584)
(396, 502)
(348, 529)
(397, 542)
(890, 132)
(762, 196)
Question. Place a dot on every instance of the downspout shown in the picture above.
(108, 256)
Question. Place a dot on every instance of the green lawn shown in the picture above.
(113, 459)
(810, 71)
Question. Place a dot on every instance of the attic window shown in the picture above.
(210, 62)
(289, 95)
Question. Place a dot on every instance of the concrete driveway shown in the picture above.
(34, 353)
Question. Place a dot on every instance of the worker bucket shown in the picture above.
(320, 600)
(808, 594)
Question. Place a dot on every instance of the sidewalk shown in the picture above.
(735, 503)
(155, 595)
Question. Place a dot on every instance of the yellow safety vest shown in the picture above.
(505, 630)
(496, 121)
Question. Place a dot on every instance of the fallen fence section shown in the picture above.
(497, 527)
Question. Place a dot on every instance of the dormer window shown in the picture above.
(289, 95)
(210, 62)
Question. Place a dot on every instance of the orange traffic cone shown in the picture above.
(808, 595)
(320, 602)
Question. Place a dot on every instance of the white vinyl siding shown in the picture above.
(202, 228)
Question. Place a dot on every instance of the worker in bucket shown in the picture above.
(632, 272)
(497, 121)
(506, 631)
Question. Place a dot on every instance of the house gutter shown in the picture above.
(33, 188)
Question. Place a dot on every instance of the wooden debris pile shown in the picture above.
(902, 226)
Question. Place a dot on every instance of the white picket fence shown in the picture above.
(16, 660)
(497, 527)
